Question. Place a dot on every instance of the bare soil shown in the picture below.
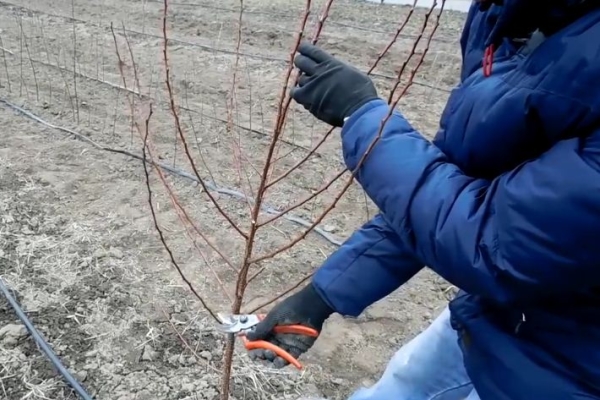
(77, 242)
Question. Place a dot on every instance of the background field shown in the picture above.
(77, 243)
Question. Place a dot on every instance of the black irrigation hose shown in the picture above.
(43, 345)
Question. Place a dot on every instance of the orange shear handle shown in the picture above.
(296, 330)
(293, 329)
(264, 345)
(281, 329)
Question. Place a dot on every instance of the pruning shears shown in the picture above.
(241, 324)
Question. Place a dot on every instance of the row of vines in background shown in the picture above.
(157, 87)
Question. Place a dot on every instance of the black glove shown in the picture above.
(305, 308)
(328, 88)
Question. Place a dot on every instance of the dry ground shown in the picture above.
(77, 243)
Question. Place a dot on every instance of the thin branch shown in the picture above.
(305, 200)
(137, 87)
(395, 37)
(179, 128)
(232, 95)
(135, 76)
(60, 70)
(37, 86)
(186, 344)
(282, 294)
(4, 51)
(21, 82)
(45, 44)
(321, 23)
(413, 51)
(187, 222)
(187, 108)
(158, 228)
(75, 60)
(182, 212)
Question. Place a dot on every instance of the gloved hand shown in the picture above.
(303, 308)
(328, 88)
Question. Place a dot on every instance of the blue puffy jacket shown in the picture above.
(504, 204)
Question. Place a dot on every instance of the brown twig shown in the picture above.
(284, 98)
(413, 51)
(282, 294)
(158, 228)
(185, 219)
(37, 87)
(137, 86)
(120, 63)
(189, 221)
(43, 39)
(395, 37)
(21, 82)
(75, 60)
(180, 129)
(305, 200)
(60, 70)
(232, 95)
(321, 23)
(5, 65)
(185, 343)
(182, 214)
(135, 76)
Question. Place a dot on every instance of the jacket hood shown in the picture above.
(517, 19)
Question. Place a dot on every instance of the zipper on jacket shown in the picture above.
(520, 323)
(533, 42)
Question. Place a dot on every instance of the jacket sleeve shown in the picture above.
(528, 234)
(371, 264)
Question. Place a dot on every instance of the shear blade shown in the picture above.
(237, 323)
(226, 319)
(227, 324)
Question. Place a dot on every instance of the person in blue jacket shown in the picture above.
(504, 204)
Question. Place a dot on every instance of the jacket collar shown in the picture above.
(516, 19)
